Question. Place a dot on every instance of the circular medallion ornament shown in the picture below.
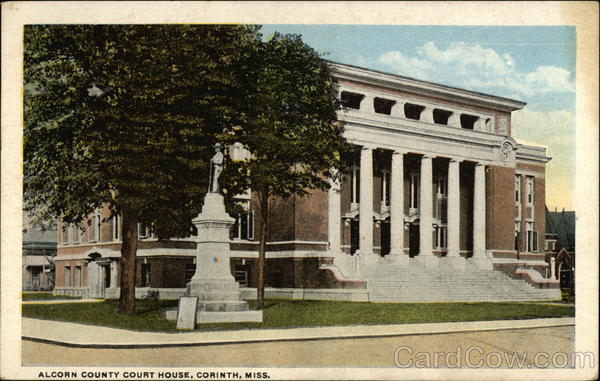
(505, 151)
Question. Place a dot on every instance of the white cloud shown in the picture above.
(477, 68)
(550, 79)
(555, 130)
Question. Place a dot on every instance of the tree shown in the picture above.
(290, 130)
(127, 115)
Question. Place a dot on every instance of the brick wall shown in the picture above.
(500, 208)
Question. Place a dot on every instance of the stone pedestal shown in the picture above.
(217, 291)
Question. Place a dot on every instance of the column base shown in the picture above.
(428, 260)
(368, 258)
(399, 258)
(454, 262)
(481, 263)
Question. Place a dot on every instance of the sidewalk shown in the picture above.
(81, 335)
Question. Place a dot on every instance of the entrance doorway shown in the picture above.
(354, 236)
(413, 240)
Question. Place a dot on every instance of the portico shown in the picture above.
(432, 205)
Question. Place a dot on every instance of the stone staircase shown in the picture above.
(387, 282)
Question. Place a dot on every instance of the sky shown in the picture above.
(531, 64)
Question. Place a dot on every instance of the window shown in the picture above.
(190, 270)
(65, 233)
(532, 237)
(441, 116)
(385, 187)
(355, 184)
(243, 228)
(442, 210)
(240, 275)
(115, 227)
(468, 121)
(517, 188)
(517, 235)
(412, 111)
(67, 275)
(77, 279)
(529, 189)
(76, 234)
(442, 186)
(351, 100)
(414, 190)
(94, 227)
(145, 274)
(144, 230)
(383, 106)
(441, 236)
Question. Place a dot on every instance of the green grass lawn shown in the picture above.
(150, 314)
(44, 295)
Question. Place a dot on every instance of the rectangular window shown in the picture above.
(518, 188)
(144, 230)
(240, 274)
(77, 276)
(76, 234)
(414, 191)
(190, 270)
(385, 187)
(532, 237)
(94, 227)
(355, 184)
(65, 233)
(442, 210)
(517, 235)
(442, 186)
(530, 195)
(115, 227)
(441, 235)
(67, 276)
(243, 228)
(145, 274)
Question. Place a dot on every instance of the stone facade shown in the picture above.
(437, 181)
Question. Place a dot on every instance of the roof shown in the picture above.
(563, 225)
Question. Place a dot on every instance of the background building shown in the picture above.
(441, 203)
(39, 250)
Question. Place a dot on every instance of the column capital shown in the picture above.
(398, 152)
(456, 160)
(370, 147)
(426, 156)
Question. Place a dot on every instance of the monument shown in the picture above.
(219, 297)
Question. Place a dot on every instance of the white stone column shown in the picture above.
(426, 208)
(454, 120)
(398, 110)
(454, 208)
(367, 104)
(427, 115)
(334, 217)
(397, 205)
(478, 125)
(479, 211)
(366, 202)
(552, 268)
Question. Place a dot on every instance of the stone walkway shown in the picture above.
(81, 335)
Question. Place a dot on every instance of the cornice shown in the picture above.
(397, 82)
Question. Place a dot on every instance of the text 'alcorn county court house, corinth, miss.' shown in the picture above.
(441, 204)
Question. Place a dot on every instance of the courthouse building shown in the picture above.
(441, 203)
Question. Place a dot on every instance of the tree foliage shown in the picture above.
(290, 128)
(127, 115)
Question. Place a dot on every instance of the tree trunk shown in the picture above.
(264, 224)
(129, 234)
